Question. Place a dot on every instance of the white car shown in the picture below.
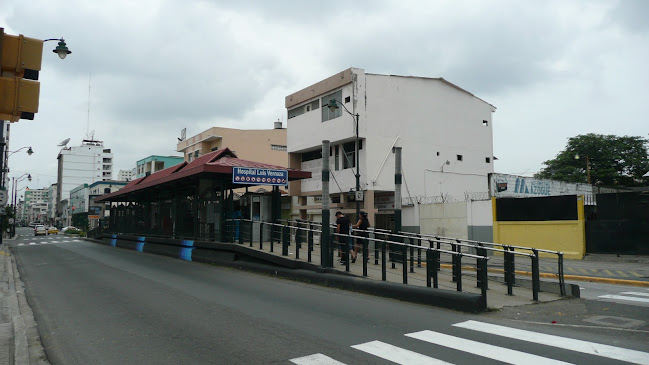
(40, 231)
(68, 228)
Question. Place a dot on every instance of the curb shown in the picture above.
(592, 279)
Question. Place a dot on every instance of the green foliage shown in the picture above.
(72, 231)
(4, 220)
(612, 161)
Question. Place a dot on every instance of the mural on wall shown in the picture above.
(503, 185)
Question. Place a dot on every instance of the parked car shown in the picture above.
(40, 231)
(52, 230)
(69, 228)
(38, 225)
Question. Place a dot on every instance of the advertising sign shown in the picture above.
(254, 176)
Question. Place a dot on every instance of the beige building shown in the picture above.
(261, 145)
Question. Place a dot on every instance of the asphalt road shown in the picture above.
(102, 305)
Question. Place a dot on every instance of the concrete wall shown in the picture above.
(568, 237)
(467, 220)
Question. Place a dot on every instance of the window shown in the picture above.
(347, 99)
(328, 114)
(337, 158)
(106, 190)
(312, 155)
(349, 155)
(487, 160)
(459, 157)
(485, 123)
(277, 147)
(292, 113)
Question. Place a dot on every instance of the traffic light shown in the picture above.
(20, 61)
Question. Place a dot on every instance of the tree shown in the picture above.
(611, 161)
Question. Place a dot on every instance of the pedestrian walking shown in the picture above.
(362, 225)
(342, 228)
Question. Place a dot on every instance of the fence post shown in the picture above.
(436, 264)
(453, 263)
(458, 270)
(429, 265)
(376, 251)
(536, 282)
(412, 255)
(298, 241)
(509, 257)
(309, 241)
(366, 252)
(286, 236)
(483, 279)
(562, 283)
(480, 263)
(272, 237)
(404, 262)
(261, 235)
(237, 224)
(250, 230)
(419, 250)
(383, 275)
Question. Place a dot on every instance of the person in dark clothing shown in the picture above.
(362, 225)
(342, 228)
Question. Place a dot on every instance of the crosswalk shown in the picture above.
(47, 240)
(399, 355)
(628, 297)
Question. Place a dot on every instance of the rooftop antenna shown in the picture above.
(64, 142)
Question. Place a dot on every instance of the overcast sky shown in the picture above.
(553, 69)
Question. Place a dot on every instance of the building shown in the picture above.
(445, 133)
(151, 164)
(84, 211)
(80, 165)
(126, 175)
(36, 205)
(262, 145)
(51, 204)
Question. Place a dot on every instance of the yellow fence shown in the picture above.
(568, 237)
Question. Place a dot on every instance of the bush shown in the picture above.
(72, 231)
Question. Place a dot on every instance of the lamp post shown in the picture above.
(14, 184)
(587, 167)
(62, 50)
(333, 105)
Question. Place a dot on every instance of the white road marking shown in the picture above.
(482, 349)
(396, 354)
(591, 348)
(635, 293)
(622, 297)
(316, 359)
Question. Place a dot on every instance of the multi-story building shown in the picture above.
(51, 204)
(445, 133)
(80, 165)
(83, 209)
(154, 163)
(125, 175)
(35, 206)
(262, 145)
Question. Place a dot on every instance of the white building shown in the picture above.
(36, 205)
(445, 133)
(51, 203)
(80, 165)
(126, 175)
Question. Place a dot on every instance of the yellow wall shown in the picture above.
(568, 237)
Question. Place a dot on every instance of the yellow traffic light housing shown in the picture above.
(20, 62)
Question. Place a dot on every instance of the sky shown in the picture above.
(140, 71)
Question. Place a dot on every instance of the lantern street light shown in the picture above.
(62, 50)
(333, 105)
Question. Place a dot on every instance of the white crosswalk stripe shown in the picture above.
(628, 297)
(46, 242)
(591, 348)
(400, 355)
(625, 298)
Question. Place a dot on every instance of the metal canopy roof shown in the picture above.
(218, 163)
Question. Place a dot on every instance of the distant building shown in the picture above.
(51, 204)
(84, 211)
(36, 205)
(125, 175)
(154, 163)
(262, 145)
(80, 165)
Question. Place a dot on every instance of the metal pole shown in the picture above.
(358, 174)
(326, 259)
(2, 167)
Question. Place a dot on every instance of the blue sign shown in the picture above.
(254, 176)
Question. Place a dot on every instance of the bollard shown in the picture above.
(536, 281)
(383, 275)
(285, 240)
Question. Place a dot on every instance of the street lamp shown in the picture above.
(587, 167)
(14, 184)
(6, 160)
(333, 105)
(29, 151)
(62, 50)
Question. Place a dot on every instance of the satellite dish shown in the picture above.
(64, 142)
